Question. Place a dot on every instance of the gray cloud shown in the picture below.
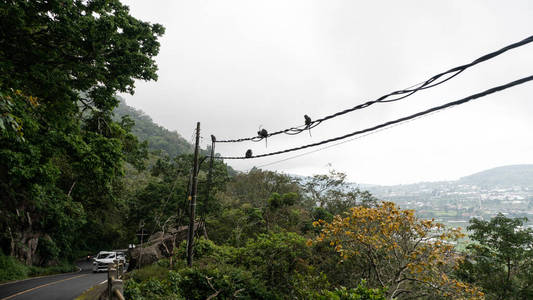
(238, 65)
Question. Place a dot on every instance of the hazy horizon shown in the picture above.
(237, 66)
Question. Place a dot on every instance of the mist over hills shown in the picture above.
(506, 189)
(499, 177)
(172, 144)
(512, 175)
(158, 137)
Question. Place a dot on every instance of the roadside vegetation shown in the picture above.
(12, 269)
(274, 237)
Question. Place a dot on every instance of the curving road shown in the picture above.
(54, 287)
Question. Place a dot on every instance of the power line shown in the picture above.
(390, 97)
(344, 142)
(400, 120)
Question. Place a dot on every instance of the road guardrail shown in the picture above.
(115, 273)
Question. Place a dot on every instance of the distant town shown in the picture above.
(507, 190)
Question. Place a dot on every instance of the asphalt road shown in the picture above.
(54, 287)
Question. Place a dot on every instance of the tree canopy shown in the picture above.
(501, 258)
(393, 249)
(61, 154)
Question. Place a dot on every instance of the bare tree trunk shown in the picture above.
(204, 229)
(12, 242)
(171, 260)
(25, 246)
(71, 187)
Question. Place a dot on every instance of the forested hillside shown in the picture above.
(158, 138)
(62, 156)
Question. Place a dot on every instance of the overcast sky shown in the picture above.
(238, 65)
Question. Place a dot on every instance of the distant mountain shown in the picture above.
(158, 137)
(514, 175)
(513, 183)
(507, 190)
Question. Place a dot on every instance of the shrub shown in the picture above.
(12, 269)
(47, 248)
(360, 293)
(276, 258)
(196, 283)
(152, 288)
(204, 249)
(226, 280)
(272, 266)
(61, 268)
(154, 271)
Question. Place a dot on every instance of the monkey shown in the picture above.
(263, 133)
(308, 123)
(307, 120)
(249, 153)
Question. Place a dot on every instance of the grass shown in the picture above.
(12, 269)
(93, 293)
(148, 272)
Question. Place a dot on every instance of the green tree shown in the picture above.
(285, 211)
(277, 258)
(163, 203)
(257, 186)
(500, 259)
(253, 203)
(332, 192)
(61, 154)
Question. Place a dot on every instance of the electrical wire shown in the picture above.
(344, 142)
(390, 97)
(400, 120)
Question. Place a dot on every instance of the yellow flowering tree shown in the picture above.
(408, 256)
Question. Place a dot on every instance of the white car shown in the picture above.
(104, 258)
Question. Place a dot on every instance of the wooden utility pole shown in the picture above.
(209, 174)
(192, 197)
(141, 251)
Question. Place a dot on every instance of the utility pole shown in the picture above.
(210, 173)
(142, 239)
(192, 197)
(141, 252)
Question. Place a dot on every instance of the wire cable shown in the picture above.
(390, 97)
(400, 120)
(343, 142)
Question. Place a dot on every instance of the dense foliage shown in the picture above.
(501, 258)
(267, 240)
(393, 249)
(13, 269)
(61, 154)
(230, 272)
